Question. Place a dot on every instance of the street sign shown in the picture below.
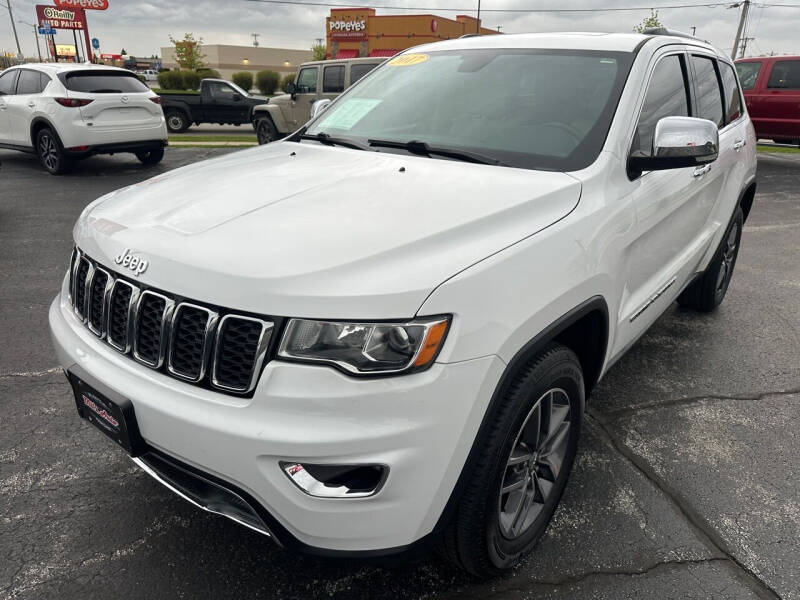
(46, 31)
(95, 43)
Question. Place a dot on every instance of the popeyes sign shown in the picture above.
(351, 31)
(87, 4)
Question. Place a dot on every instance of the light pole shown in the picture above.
(36, 35)
(7, 4)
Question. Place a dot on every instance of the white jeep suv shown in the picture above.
(65, 112)
(380, 333)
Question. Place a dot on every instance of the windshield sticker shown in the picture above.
(349, 112)
(406, 60)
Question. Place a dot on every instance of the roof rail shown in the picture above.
(466, 35)
(665, 31)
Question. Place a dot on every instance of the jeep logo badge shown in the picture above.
(129, 261)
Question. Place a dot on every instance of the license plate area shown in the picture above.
(109, 412)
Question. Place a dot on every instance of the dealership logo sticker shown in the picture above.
(129, 261)
(406, 60)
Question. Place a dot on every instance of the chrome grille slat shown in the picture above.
(188, 341)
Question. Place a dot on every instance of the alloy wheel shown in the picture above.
(534, 464)
(175, 122)
(48, 151)
(728, 257)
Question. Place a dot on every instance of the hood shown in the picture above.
(315, 231)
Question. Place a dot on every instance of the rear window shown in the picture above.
(103, 82)
(748, 73)
(785, 75)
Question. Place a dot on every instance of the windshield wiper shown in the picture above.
(325, 138)
(424, 149)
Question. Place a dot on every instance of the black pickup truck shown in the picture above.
(219, 101)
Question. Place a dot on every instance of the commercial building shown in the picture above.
(230, 59)
(354, 32)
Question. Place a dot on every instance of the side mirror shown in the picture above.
(319, 106)
(236, 96)
(679, 142)
(291, 89)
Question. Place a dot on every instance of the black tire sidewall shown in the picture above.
(151, 157)
(268, 125)
(714, 296)
(176, 113)
(564, 374)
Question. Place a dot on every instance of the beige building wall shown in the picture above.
(230, 59)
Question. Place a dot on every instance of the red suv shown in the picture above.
(771, 86)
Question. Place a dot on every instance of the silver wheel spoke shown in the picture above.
(519, 455)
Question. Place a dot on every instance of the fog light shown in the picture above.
(337, 481)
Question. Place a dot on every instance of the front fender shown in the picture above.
(273, 112)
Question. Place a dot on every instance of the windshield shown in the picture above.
(535, 109)
(238, 89)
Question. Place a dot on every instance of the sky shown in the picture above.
(142, 27)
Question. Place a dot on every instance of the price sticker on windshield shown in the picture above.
(406, 60)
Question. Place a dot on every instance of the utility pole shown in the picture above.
(478, 23)
(693, 30)
(255, 39)
(36, 35)
(745, 39)
(13, 26)
(742, 19)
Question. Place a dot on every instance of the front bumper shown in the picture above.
(421, 426)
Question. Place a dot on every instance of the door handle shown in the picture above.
(700, 171)
(31, 105)
(738, 144)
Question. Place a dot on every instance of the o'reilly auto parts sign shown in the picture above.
(61, 18)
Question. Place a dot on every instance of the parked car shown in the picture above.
(771, 87)
(381, 332)
(65, 112)
(314, 81)
(219, 101)
(148, 74)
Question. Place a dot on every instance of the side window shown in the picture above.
(29, 82)
(45, 80)
(333, 79)
(666, 97)
(733, 99)
(220, 91)
(307, 80)
(706, 85)
(748, 73)
(785, 75)
(7, 81)
(358, 71)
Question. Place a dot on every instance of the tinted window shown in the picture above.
(358, 71)
(307, 80)
(7, 80)
(333, 79)
(733, 102)
(666, 97)
(219, 90)
(29, 82)
(104, 82)
(706, 85)
(748, 73)
(527, 108)
(785, 75)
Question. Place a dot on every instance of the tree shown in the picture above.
(649, 22)
(318, 52)
(124, 51)
(188, 51)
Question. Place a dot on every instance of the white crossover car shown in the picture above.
(380, 333)
(65, 112)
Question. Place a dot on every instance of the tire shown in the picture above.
(266, 131)
(708, 291)
(176, 121)
(152, 156)
(51, 152)
(483, 536)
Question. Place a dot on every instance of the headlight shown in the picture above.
(365, 348)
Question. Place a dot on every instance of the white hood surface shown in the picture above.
(317, 231)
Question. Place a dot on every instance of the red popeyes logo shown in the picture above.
(90, 4)
(100, 412)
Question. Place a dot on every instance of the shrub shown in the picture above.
(244, 79)
(170, 80)
(206, 73)
(267, 82)
(287, 79)
(191, 80)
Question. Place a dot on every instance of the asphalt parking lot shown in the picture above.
(687, 484)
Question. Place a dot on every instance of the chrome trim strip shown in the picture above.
(131, 314)
(208, 339)
(652, 299)
(87, 290)
(74, 259)
(169, 305)
(147, 469)
(88, 273)
(313, 487)
(106, 294)
(261, 352)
